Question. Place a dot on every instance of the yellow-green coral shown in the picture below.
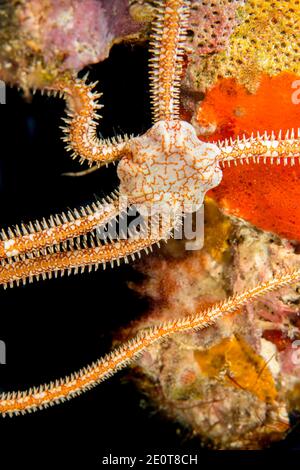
(265, 41)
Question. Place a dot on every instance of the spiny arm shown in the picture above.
(36, 236)
(80, 130)
(167, 47)
(88, 254)
(88, 377)
(266, 147)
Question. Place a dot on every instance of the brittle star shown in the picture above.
(166, 169)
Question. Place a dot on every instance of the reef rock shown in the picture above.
(233, 384)
(40, 39)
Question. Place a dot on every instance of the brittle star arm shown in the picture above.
(69, 387)
(90, 253)
(168, 47)
(266, 147)
(34, 237)
(80, 131)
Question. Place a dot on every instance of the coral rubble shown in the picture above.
(42, 39)
(235, 383)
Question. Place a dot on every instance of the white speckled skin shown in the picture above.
(169, 168)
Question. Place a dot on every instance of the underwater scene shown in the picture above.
(149, 230)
